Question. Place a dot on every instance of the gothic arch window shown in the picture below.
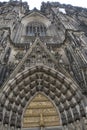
(36, 28)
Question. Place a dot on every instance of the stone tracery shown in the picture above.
(51, 63)
(35, 28)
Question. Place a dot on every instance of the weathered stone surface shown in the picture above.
(43, 52)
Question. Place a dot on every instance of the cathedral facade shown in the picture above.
(43, 67)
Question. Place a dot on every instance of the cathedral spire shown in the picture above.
(21, 11)
(21, 6)
(15, 0)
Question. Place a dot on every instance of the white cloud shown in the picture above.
(37, 3)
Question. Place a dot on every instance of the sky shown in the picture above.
(37, 3)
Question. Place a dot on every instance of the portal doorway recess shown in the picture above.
(40, 112)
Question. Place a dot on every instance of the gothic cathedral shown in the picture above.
(43, 67)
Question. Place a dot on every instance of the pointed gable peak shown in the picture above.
(36, 55)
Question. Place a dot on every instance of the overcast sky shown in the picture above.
(37, 3)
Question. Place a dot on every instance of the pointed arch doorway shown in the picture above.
(41, 113)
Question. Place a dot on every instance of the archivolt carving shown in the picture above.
(18, 92)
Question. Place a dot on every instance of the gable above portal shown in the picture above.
(36, 17)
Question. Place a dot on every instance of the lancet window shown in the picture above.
(35, 28)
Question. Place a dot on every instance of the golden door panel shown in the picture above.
(40, 112)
